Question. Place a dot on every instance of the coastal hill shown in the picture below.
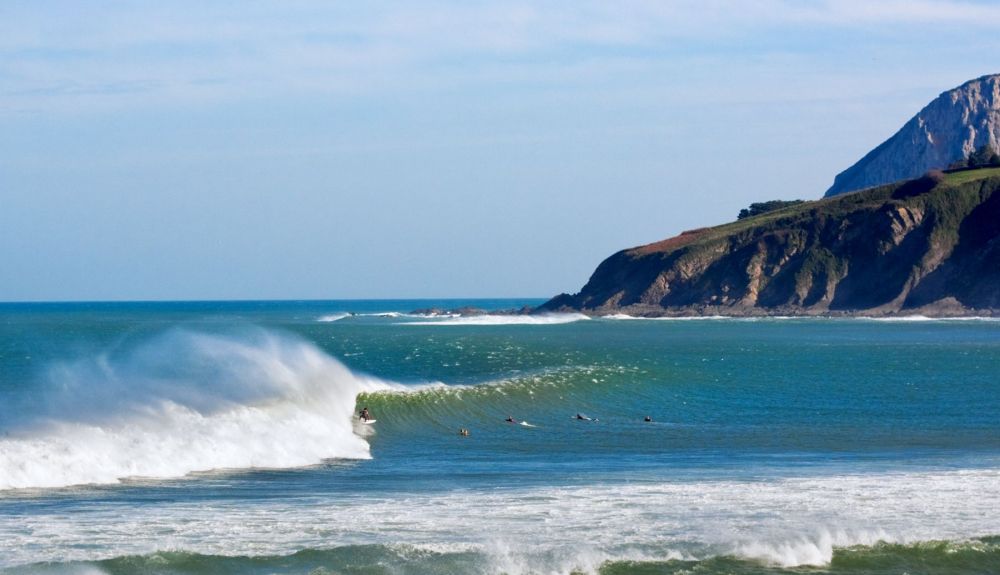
(949, 129)
(929, 245)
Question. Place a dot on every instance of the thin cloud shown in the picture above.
(850, 12)
(69, 56)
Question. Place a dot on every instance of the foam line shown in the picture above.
(547, 319)
(545, 529)
(923, 318)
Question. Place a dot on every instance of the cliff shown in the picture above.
(949, 129)
(929, 245)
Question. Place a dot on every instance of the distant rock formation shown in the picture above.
(929, 245)
(949, 129)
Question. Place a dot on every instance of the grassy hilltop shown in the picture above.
(929, 245)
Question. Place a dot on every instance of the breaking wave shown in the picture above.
(384, 315)
(546, 319)
(184, 402)
(981, 555)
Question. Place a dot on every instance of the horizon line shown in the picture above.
(254, 300)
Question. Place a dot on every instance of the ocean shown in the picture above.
(222, 437)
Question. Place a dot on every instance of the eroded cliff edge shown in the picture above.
(948, 129)
(930, 245)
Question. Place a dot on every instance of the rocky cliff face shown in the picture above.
(949, 129)
(930, 245)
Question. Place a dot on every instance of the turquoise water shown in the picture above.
(221, 438)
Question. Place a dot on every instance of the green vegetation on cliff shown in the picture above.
(932, 244)
(758, 208)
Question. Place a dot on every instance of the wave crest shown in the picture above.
(185, 402)
(817, 550)
(970, 556)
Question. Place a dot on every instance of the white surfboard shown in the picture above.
(367, 421)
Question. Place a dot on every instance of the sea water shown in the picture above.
(223, 438)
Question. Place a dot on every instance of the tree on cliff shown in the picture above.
(984, 156)
(758, 208)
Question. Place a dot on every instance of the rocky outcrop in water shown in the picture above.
(930, 245)
(949, 129)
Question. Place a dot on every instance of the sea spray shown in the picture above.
(183, 402)
(809, 549)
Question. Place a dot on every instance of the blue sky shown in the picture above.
(298, 149)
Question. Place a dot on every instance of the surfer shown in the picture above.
(648, 419)
(365, 415)
(463, 432)
(581, 416)
(510, 419)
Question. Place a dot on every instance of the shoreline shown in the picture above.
(639, 311)
(655, 312)
(941, 309)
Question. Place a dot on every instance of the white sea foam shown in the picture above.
(186, 402)
(769, 318)
(332, 317)
(383, 314)
(545, 319)
(786, 522)
(922, 318)
(444, 314)
(814, 549)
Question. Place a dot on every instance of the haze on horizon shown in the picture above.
(256, 150)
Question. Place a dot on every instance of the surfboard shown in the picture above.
(367, 422)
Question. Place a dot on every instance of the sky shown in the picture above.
(340, 150)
